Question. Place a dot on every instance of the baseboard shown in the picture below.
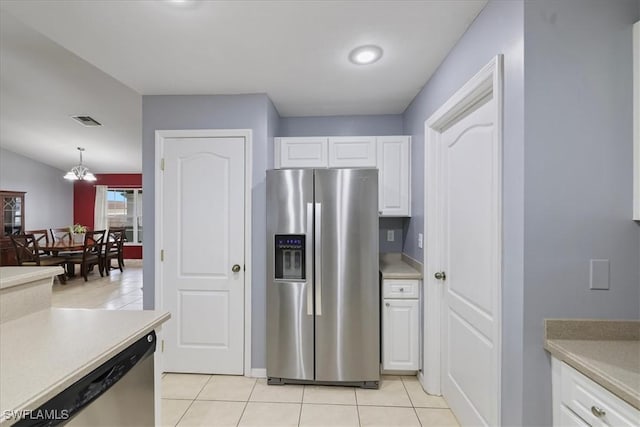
(258, 373)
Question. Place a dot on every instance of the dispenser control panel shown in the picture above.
(290, 256)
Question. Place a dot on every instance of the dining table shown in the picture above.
(65, 246)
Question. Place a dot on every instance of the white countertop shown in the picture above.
(14, 276)
(393, 266)
(43, 353)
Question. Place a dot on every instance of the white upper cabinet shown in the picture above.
(352, 152)
(394, 177)
(301, 152)
(390, 154)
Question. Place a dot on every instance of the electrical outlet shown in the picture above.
(420, 237)
(599, 274)
(391, 236)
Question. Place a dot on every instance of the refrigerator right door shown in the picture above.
(347, 326)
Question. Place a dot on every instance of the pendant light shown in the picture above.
(80, 172)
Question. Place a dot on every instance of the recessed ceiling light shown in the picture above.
(364, 55)
(179, 2)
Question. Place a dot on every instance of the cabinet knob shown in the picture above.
(387, 304)
(401, 289)
(235, 268)
(598, 412)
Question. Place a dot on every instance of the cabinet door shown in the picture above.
(301, 153)
(394, 175)
(400, 334)
(352, 152)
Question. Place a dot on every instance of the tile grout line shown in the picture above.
(355, 395)
(304, 387)
(193, 401)
(404, 386)
(247, 402)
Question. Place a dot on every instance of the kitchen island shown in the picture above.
(45, 350)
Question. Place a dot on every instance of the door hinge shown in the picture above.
(162, 164)
(161, 254)
(162, 346)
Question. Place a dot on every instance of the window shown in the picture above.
(125, 210)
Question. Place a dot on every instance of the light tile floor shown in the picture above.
(118, 291)
(219, 400)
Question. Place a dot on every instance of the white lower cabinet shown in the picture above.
(579, 401)
(400, 325)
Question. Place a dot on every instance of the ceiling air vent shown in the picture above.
(86, 120)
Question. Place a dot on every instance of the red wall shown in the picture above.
(84, 199)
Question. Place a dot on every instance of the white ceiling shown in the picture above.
(42, 85)
(295, 51)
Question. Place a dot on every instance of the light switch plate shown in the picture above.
(420, 240)
(390, 236)
(599, 272)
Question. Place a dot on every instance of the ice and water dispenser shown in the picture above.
(290, 256)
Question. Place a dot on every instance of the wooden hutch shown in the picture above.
(12, 223)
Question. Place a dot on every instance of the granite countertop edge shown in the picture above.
(53, 389)
(621, 390)
(14, 276)
(395, 266)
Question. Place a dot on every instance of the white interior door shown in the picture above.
(470, 249)
(202, 238)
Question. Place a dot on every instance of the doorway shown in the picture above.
(203, 240)
(463, 255)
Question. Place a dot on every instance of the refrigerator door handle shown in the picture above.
(309, 259)
(317, 234)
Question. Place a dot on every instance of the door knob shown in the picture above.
(440, 275)
(235, 268)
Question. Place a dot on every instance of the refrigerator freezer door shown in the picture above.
(290, 302)
(347, 321)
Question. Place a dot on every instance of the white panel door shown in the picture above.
(470, 237)
(400, 334)
(394, 173)
(301, 152)
(202, 238)
(352, 152)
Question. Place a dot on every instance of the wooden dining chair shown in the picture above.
(91, 254)
(42, 238)
(113, 249)
(60, 233)
(28, 254)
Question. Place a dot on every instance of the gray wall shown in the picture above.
(49, 198)
(397, 225)
(497, 29)
(160, 112)
(387, 124)
(578, 173)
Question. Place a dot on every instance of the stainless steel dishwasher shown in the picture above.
(118, 393)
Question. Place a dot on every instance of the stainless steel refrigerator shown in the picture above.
(322, 276)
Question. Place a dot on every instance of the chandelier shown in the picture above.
(80, 172)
